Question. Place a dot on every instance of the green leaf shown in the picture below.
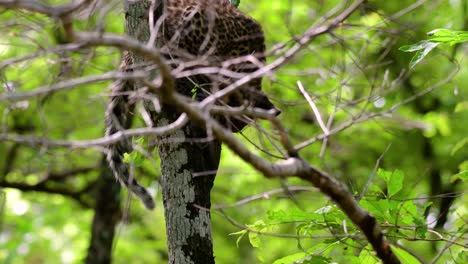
(409, 215)
(255, 240)
(427, 205)
(241, 234)
(421, 231)
(378, 208)
(385, 175)
(410, 207)
(440, 122)
(460, 107)
(127, 158)
(404, 256)
(303, 258)
(315, 260)
(414, 47)
(394, 180)
(366, 256)
(135, 158)
(194, 92)
(460, 144)
(463, 166)
(462, 256)
(293, 214)
(396, 183)
(421, 54)
(439, 32)
(460, 176)
(448, 36)
(141, 141)
(290, 259)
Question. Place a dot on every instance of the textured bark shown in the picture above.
(107, 214)
(188, 171)
(186, 190)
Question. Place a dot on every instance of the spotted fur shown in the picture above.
(209, 28)
(118, 118)
(218, 30)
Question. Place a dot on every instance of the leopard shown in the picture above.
(218, 30)
(212, 30)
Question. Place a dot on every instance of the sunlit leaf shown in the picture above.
(460, 176)
(290, 259)
(303, 258)
(366, 256)
(414, 47)
(395, 184)
(404, 256)
(255, 240)
(421, 54)
(378, 208)
(440, 32)
(460, 107)
(127, 158)
(314, 260)
(241, 234)
(293, 214)
(393, 179)
(448, 36)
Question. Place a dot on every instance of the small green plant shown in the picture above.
(136, 158)
(436, 37)
(392, 202)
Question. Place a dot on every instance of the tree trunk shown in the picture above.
(107, 214)
(188, 172)
(188, 167)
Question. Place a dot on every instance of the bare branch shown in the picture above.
(41, 8)
(99, 142)
(265, 195)
(384, 113)
(70, 84)
(306, 38)
(42, 187)
(292, 167)
(314, 108)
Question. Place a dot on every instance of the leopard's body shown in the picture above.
(212, 29)
(217, 30)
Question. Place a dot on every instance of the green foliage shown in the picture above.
(437, 36)
(136, 158)
(355, 71)
(303, 259)
(326, 235)
(394, 181)
(460, 176)
(448, 36)
(404, 256)
(36, 224)
(422, 49)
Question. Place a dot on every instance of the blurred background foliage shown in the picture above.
(353, 72)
